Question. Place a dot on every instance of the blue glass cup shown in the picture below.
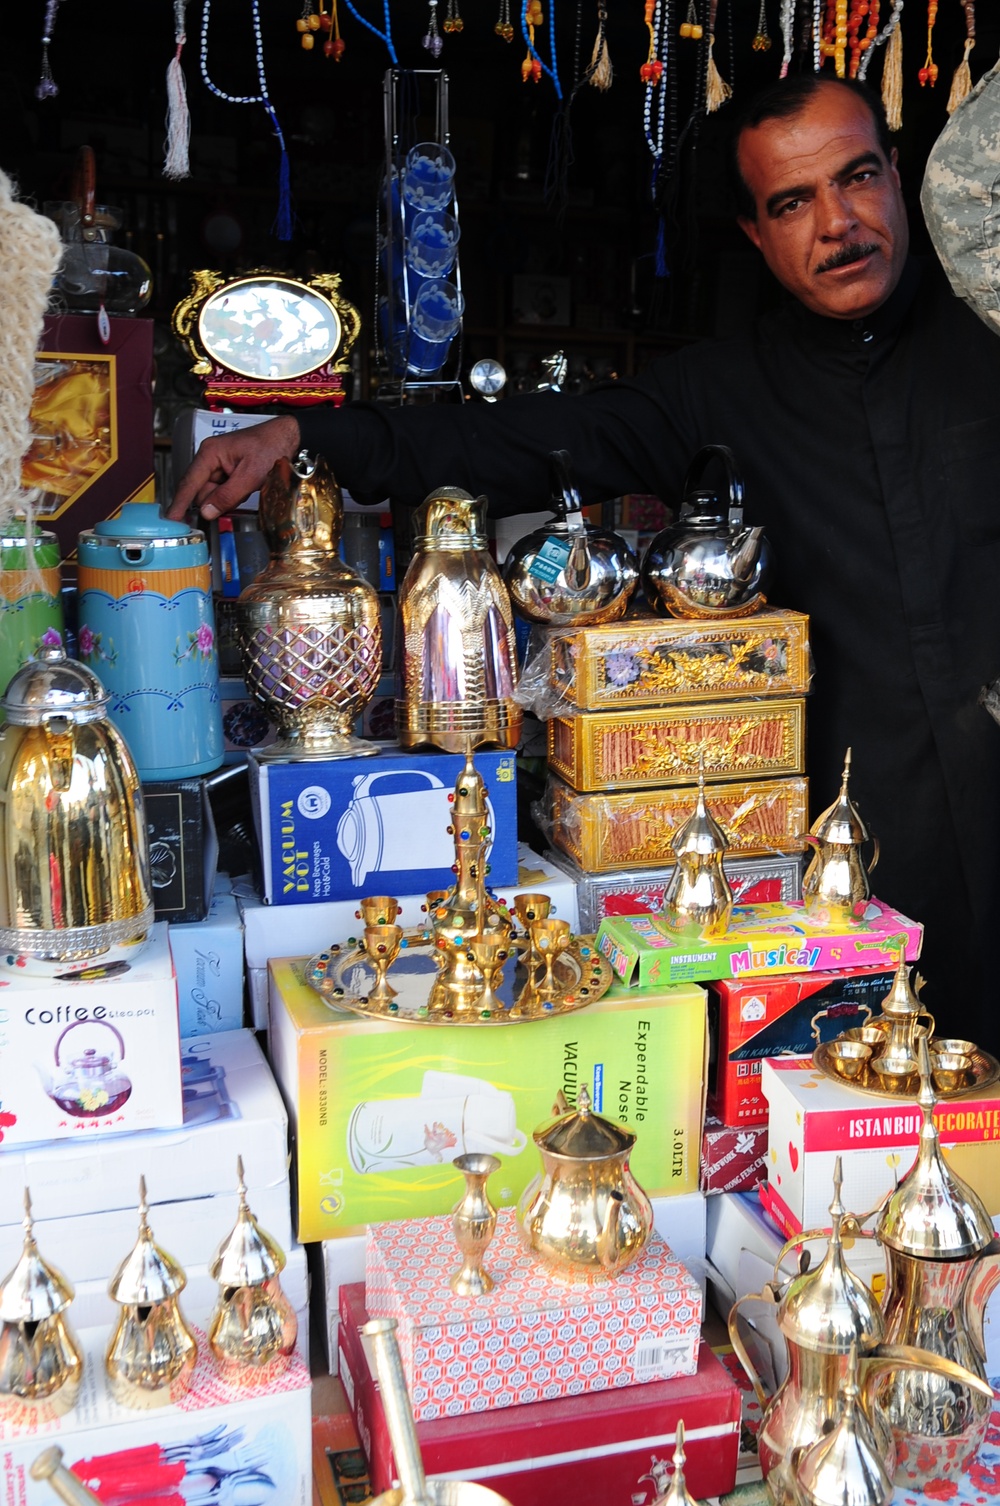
(428, 182)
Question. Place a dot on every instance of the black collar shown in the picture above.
(866, 334)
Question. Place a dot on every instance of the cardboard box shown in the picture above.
(732, 1160)
(611, 1446)
(354, 826)
(813, 1120)
(208, 957)
(749, 1020)
(380, 1109)
(630, 830)
(754, 881)
(619, 750)
(651, 661)
(295, 930)
(123, 1029)
(183, 847)
(91, 423)
(218, 1431)
(231, 1107)
(680, 1221)
(530, 1338)
(762, 941)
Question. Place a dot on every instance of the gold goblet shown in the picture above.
(529, 908)
(473, 1220)
(378, 910)
(381, 943)
(489, 953)
(548, 939)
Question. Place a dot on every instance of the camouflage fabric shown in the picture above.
(960, 198)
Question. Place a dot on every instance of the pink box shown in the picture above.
(532, 1338)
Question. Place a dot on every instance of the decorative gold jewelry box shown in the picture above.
(620, 750)
(604, 832)
(650, 661)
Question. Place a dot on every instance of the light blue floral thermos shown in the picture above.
(147, 629)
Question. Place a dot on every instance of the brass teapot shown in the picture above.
(835, 888)
(585, 1214)
(823, 1314)
(845, 1468)
(942, 1265)
(707, 564)
(698, 901)
(568, 571)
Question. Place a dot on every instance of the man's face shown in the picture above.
(830, 223)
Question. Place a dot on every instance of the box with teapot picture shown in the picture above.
(343, 828)
(84, 1057)
(380, 1109)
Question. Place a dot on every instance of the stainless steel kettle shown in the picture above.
(707, 564)
(568, 571)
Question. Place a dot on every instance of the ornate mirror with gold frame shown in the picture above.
(265, 337)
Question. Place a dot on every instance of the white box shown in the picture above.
(90, 1248)
(121, 1030)
(302, 930)
(223, 1436)
(232, 1107)
(208, 960)
(812, 1120)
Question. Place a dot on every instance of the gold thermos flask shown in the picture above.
(459, 659)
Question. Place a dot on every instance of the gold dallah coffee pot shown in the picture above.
(822, 1315)
(845, 1468)
(835, 888)
(698, 902)
(943, 1262)
(41, 1362)
(585, 1214)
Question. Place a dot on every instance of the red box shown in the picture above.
(750, 1019)
(733, 1158)
(91, 423)
(610, 1446)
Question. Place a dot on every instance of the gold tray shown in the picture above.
(985, 1070)
(340, 974)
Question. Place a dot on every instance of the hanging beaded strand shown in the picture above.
(383, 36)
(334, 46)
(284, 220)
(504, 29)
(866, 12)
(786, 20)
(432, 41)
(533, 67)
(833, 43)
(761, 41)
(881, 39)
(47, 88)
(600, 73)
(717, 91)
(928, 74)
(453, 21)
(961, 83)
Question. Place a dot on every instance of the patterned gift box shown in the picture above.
(633, 830)
(606, 750)
(754, 881)
(531, 1338)
(650, 661)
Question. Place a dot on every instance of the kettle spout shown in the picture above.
(609, 1245)
(577, 566)
(744, 554)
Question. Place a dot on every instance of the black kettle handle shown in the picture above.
(696, 469)
(565, 496)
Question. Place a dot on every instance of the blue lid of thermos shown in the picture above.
(143, 520)
(138, 534)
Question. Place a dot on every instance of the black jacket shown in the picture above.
(871, 454)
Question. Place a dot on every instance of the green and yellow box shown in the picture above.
(380, 1110)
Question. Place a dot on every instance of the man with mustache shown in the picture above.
(865, 416)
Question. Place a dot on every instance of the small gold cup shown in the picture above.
(378, 910)
(549, 938)
(849, 1058)
(489, 953)
(872, 1035)
(382, 946)
(951, 1047)
(532, 907)
(950, 1070)
(435, 899)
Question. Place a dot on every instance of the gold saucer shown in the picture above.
(984, 1070)
(342, 976)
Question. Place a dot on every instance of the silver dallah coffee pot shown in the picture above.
(707, 564)
(568, 571)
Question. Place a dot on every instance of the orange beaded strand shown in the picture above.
(929, 72)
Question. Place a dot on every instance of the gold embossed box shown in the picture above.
(651, 661)
(616, 832)
(620, 750)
